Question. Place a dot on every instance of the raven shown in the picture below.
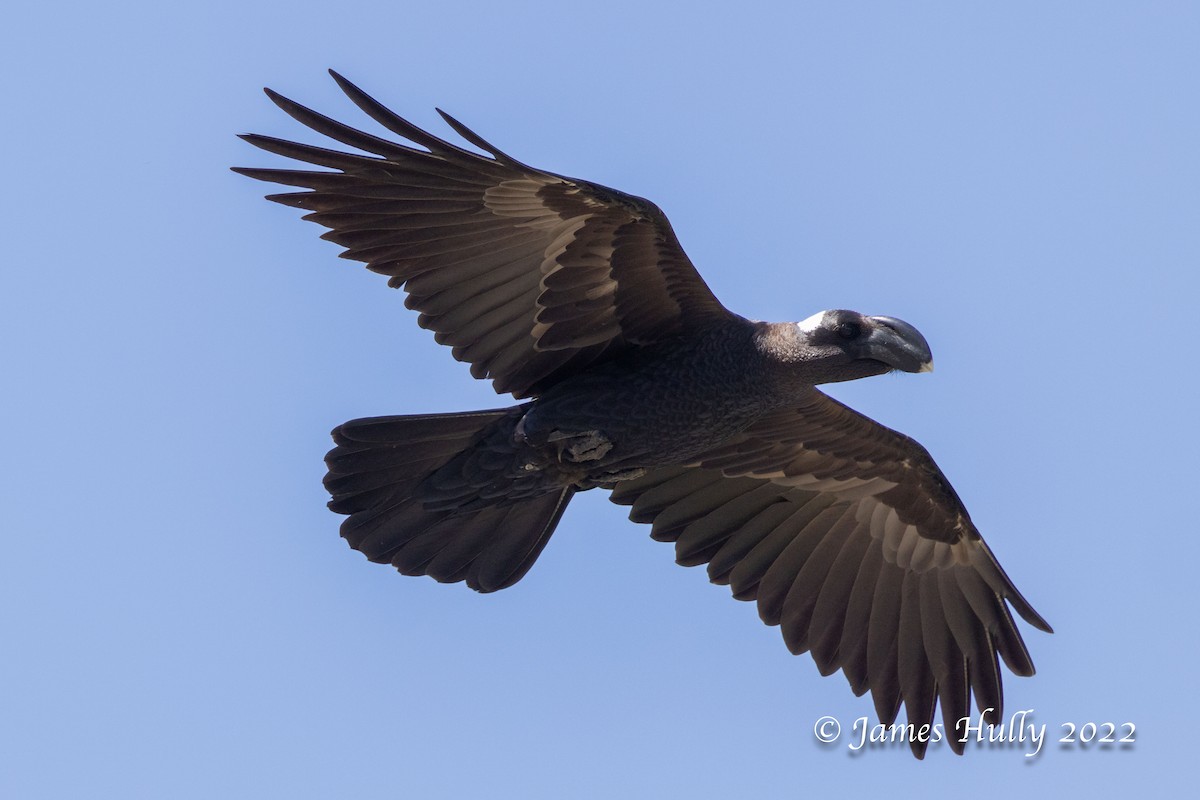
(579, 300)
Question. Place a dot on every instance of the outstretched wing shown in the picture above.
(528, 275)
(852, 541)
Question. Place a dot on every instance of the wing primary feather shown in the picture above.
(321, 156)
(882, 637)
(477, 140)
(917, 682)
(989, 689)
(947, 660)
(287, 177)
(397, 124)
(975, 644)
(998, 579)
(340, 131)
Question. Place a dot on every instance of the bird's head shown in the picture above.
(842, 345)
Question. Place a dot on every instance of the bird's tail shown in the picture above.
(443, 495)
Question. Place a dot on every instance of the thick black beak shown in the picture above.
(899, 345)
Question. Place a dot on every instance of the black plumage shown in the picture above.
(579, 299)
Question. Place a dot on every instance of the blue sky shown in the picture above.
(179, 615)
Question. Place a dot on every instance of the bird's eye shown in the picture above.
(849, 330)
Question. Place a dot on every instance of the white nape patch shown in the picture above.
(927, 366)
(812, 323)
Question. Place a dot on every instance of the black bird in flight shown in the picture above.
(579, 300)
